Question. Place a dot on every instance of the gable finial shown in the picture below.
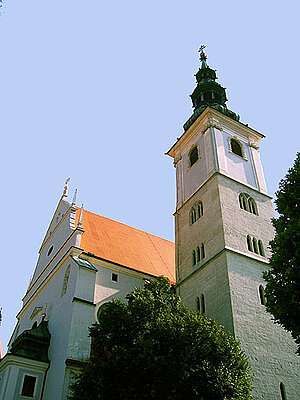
(74, 198)
(66, 188)
(80, 217)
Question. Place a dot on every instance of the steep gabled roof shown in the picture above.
(127, 246)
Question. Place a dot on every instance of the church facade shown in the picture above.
(222, 230)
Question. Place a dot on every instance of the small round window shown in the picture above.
(50, 251)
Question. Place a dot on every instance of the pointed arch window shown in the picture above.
(199, 209)
(193, 156)
(194, 258)
(252, 206)
(193, 216)
(283, 391)
(198, 304)
(236, 147)
(66, 280)
(202, 251)
(255, 247)
(262, 295)
(249, 243)
(247, 203)
(261, 248)
(202, 304)
(196, 212)
(198, 255)
(243, 201)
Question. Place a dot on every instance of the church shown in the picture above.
(222, 231)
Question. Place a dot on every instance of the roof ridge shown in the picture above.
(122, 223)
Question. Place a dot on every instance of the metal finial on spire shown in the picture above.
(203, 56)
(80, 218)
(74, 198)
(65, 192)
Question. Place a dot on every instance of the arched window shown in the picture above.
(198, 255)
(262, 295)
(282, 391)
(65, 283)
(202, 304)
(193, 156)
(255, 247)
(194, 258)
(249, 243)
(192, 216)
(202, 251)
(236, 147)
(196, 212)
(261, 248)
(198, 303)
(243, 201)
(252, 206)
(199, 209)
(247, 203)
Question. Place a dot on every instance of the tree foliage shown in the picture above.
(283, 279)
(152, 347)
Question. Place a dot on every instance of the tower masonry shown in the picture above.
(222, 233)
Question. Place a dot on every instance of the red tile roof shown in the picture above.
(122, 244)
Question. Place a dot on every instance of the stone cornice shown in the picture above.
(13, 359)
(226, 176)
(213, 118)
(225, 249)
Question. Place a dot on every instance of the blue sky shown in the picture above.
(99, 91)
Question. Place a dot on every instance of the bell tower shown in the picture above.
(222, 231)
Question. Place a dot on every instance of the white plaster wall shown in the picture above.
(82, 315)
(194, 176)
(236, 167)
(59, 315)
(259, 170)
(79, 344)
(58, 238)
(106, 289)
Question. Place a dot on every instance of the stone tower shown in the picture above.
(222, 230)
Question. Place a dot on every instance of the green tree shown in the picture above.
(283, 279)
(153, 348)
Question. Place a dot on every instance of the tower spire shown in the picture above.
(208, 93)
